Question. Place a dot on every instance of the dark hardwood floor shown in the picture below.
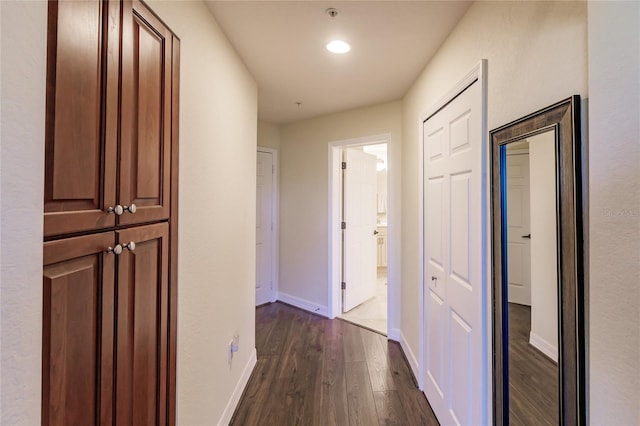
(533, 378)
(316, 371)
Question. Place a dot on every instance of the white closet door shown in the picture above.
(453, 192)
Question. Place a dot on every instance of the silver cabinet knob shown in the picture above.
(131, 209)
(115, 250)
(131, 246)
(117, 210)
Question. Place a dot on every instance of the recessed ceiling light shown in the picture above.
(338, 46)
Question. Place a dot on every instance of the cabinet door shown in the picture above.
(81, 115)
(146, 116)
(77, 338)
(141, 376)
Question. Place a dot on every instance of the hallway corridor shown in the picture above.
(316, 371)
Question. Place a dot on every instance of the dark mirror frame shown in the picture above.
(564, 118)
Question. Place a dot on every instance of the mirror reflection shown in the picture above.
(532, 276)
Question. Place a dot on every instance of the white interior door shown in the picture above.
(264, 228)
(455, 352)
(359, 214)
(519, 229)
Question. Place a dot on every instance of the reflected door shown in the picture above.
(519, 234)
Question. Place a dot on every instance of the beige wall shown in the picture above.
(23, 52)
(614, 213)
(537, 55)
(216, 264)
(269, 135)
(217, 222)
(304, 192)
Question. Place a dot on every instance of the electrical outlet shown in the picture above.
(234, 346)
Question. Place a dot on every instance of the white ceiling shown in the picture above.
(283, 45)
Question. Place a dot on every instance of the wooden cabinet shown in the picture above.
(81, 132)
(141, 377)
(145, 152)
(80, 280)
(109, 275)
(107, 147)
(78, 330)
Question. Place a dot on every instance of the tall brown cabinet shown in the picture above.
(110, 216)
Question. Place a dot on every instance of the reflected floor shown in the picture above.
(533, 378)
(372, 314)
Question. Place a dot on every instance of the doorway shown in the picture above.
(358, 254)
(368, 306)
(266, 226)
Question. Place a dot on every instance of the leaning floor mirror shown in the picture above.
(537, 271)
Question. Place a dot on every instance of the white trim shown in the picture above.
(334, 254)
(411, 357)
(394, 334)
(227, 414)
(422, 350)
(304, 304)
(547, 348)
(479, 73)
(275, 241)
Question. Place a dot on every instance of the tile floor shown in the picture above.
(372, 314)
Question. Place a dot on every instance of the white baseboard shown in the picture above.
(237, 392)
(544, 346)
(304, 304)
(394, 334)
(413, 361)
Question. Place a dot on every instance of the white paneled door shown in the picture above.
(359, 215)
(264, 228)
(519, 229)
(454, 332)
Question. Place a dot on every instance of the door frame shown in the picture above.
(334, 253)
(275, 241)
(477, 73)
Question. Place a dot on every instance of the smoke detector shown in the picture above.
(332, 12)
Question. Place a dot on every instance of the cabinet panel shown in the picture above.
(78, 306)
(382, 247)
(81, 129)
(146, 115)
(142, 326)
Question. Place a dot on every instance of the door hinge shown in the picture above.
(343, 286)
(343, 225)
(344, 165)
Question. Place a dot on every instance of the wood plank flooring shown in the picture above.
(533, 378)
(316, 371)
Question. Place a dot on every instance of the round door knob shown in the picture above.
(115, 250)
(117, 210)
(131, 246)
(131, 209)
